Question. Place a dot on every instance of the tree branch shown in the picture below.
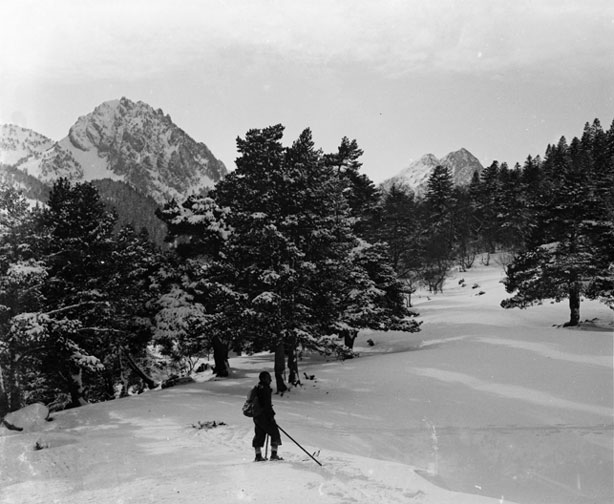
(73, 307)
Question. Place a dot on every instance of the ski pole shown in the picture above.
(297, 444)
(266, 447)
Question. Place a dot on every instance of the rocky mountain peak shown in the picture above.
(429, 159)
(134, 154)
(461, 163)
(129, 142)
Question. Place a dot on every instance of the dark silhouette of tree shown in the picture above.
(438, 236)
(294, 273)
(569, 246)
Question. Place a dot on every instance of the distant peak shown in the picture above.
(112, 103)
(429, 157)
(461, 163)
(460, 153)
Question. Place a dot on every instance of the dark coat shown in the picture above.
(264, 417)
(263, 405)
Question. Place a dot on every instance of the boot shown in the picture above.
(259, 458)
(274, 456)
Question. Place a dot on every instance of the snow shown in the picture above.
(16, 143)
(484, 405)
(461, 164)
(32, 417)
(94, 166)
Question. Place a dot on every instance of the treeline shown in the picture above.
(294, 250)
(76, 299)
(133, 208)
(554, 217)
(271, 260)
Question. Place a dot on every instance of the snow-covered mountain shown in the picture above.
(135, 155)
(121, 140)
(462, 165)
(18, 144)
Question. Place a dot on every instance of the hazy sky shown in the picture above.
(403, 77)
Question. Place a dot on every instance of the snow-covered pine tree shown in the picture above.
(512, 213)
(466, 236)
(197, 301)
(133, 288)
(21, 278)
(599, 147)
(395, 222)
(287, 265)
(438, 237)
(92, 291)
(290, 244)
(488, 205)
(360, 192)
(569, 248)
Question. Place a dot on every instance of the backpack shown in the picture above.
(248, 405)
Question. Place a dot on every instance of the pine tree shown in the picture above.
(290, 243)
(512, 215)
(91, 293)
(133, 289)
(359, 191)
(568, 250)
(395, 222)
(289, 272)
(488, 206)
(466, 235)
(438, 238)
(21, 278)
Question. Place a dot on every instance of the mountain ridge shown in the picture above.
(461, 163)
(119, 142)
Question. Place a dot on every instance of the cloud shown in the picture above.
(80, 40)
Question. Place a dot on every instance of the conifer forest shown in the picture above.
(293, 251)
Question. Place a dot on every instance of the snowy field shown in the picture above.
(484, 405)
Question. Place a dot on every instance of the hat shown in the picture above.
(264, 374)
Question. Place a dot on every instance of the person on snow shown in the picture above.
(264, 418)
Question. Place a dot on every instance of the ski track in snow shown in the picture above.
(225, 476)
(546, 351)
(512, 392)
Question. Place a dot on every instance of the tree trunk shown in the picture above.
(574, 305)
(4, 397)
(135, 367)
(76, 387)
(12, 385)
(293, 365)
(122, 376)
(349, 338)
(280, 367)
(220, 357)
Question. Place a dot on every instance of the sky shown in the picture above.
(404, 78)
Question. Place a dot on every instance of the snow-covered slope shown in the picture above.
(18, 144)
(484, 405)
(461, 163)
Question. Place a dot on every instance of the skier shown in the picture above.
(264, 418)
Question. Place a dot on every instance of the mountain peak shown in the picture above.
(122, 140)
(462, 155)
(428, 159)
(461, 163)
